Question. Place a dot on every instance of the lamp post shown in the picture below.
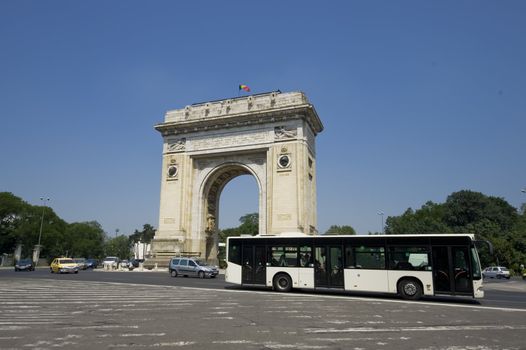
(381, 213)
(523, 190)
(37, 250)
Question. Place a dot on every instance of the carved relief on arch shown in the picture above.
(282, 133)
(178, 145)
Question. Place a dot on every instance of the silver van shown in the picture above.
(191, 267)
(496, 272)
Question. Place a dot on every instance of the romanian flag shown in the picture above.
(244, 87)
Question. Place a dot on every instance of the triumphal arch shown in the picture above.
(270, 136)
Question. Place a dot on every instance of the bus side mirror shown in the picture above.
(486, 243)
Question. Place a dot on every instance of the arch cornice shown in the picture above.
(252, 110)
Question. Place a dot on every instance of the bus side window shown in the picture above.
(408, 258)
(349, 258)
(234, 252)
(305, 256)
(283, 256)
(368, 257)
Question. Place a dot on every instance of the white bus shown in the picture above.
(409, 265)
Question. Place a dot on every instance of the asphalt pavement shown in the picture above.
(498, 293)
(43, 311)
(110, 309)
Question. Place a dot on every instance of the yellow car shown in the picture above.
(64, 265)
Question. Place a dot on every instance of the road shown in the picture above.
(106, 310)
(498, 293)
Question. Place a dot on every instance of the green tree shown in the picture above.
(85, 239)
(517, 237)
(465, 208)
(20, 224)
(144, 236)
(54, 237)
(118, 246)
(427, 219)
(227, 232)
(13, 214)
(340, 230)
(249, 224)
(490, 218)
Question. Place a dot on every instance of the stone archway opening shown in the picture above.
(238, 199)
(212, 190)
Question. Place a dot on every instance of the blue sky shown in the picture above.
(419, 99)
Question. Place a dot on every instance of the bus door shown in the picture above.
(452, 270)
(254, 265)
(328, 266)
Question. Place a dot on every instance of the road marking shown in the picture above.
(178, 343)
(412, 329)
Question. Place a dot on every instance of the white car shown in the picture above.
(496, 272)
(111, 261)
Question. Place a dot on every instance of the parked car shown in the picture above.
(111, 261)
(191, 267)
(83, 265)
(91, 263)
(134, 263)
(124, 264)
(63, 265)
(496, 272)
(24, 265)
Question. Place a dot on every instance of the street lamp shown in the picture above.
(381, 213)
(523, 190)
(37, 251)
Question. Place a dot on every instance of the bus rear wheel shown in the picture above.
(282, 283)
(409, 289)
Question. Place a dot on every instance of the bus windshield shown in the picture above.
(475, 264)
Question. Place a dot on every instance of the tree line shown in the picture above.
(21, 222)
(490, 218)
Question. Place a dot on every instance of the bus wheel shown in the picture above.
(409, 289)
(282, 283)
